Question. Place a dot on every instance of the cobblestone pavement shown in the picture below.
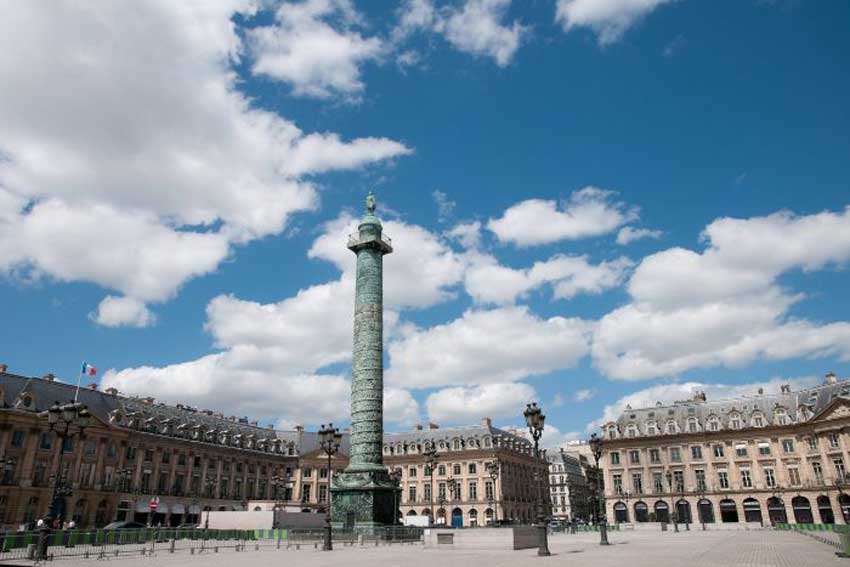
(629, 549)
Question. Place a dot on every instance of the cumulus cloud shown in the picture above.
(584, 394)
(170, 161)
(459, 405)
(477, 27)
(723, 306)
(588, 212)
(123, 311)
(678, 391)
(629, 234)
(609, 19)
(287, 345)
(314, 46)
(483, 347)
(487, 281)
(468, 235)
(445, 206)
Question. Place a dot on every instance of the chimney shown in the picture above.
(761, 391)
(299, 428)
(4, 367)
(785, 388)
(112, 391)
(49, 377)
(432, 425)
(830, 378)
(418, 427)
(92, 386)
(699, 397)
(485, 422)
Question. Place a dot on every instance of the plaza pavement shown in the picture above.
(757, 548)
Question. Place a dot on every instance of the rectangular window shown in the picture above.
(813, 443)
(723, 479)
(637, 484)
(764, 448)
(833, 440)
(456, 470)
(675, 455)
(817, 470)
(838, 463)
(696, 453)
(746, 479)
(699, 475)
(67, 445)
(441, 470)
(308, 472)
(89, 448)
(769, 478)
(148, 455)
(46, 441)
(181, 460)
(18, 439)
(305, 493)
(615, 458)
(658, 482)
(634, 457)
(472, 468)
(654, 456)
(427, 491)
(166, 457)
(323, 493)
(441, 491)
(618, 484)
(473, 490)
(788, 445)
(794, 477)
(718, 451)
(411, 472)
(411, 493)
(740, 450)
(679, 480)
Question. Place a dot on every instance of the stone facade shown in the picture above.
(761, 459)
(568, 489)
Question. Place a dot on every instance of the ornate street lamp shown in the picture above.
(280, 483)
(67, 421)
(395, 476)
(329, 440)
(430, 454)
(596, 447)
(209, 487)
(535, 420)
(493, 471)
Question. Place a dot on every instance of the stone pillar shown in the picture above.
(364, 492)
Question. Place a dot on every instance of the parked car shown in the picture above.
(124, 526)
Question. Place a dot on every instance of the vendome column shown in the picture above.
(363, 495)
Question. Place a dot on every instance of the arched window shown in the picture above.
(621, 512)
(652, 428)
(641, 512)
(825, 510)
(714, 423)
(752, 511)
(706, 511)
(693, 425)
(757, 419)
(670, 428)
(632, 430)
(780, 416)
(612, 432)
(728, 511)
(776, 511)
(802, 510)
(662, 512)
(735, 420)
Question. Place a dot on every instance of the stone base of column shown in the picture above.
(364, 500)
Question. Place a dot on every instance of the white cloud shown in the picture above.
(584, 395)
(305, 50)
(609, 19)
(458, 405)
(724, 306)
(169, 161)
(629, 234)
(467, 234)
(483, 347)
(400, 406)
(487, 281)
(421, 271)
(588, 212)
(476, 27)
(678, 391)
(119, 311)
(445, 206)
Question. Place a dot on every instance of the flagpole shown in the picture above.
(79, 379)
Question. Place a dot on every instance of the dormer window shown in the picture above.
(735, 421)
(780, 416)
(651, 428)
(713, 424)
(693, 425)
(758, 420)
(670, 427)
(631, 431)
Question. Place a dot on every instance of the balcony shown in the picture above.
(384, 242)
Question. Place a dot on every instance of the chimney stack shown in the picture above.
(485, 422)
(49, 377)
(785, 388)
(418, 427)
(92, 386)
(830, 378)
(112, 391)
(4, 367)
(432, 425)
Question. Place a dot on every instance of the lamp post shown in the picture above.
(279, 482)
(493, 471)
(672, 502)
(329, 440)
(596, 446)
(67, 421)
(430, 454)
(535, 420)
(209, 486)
(395, 476)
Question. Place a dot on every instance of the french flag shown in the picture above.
(88, 369)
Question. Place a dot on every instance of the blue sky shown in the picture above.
(177, 184)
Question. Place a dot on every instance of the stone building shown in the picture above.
(759, 459)
(464, 494)
(568, 487)
(191, 460)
